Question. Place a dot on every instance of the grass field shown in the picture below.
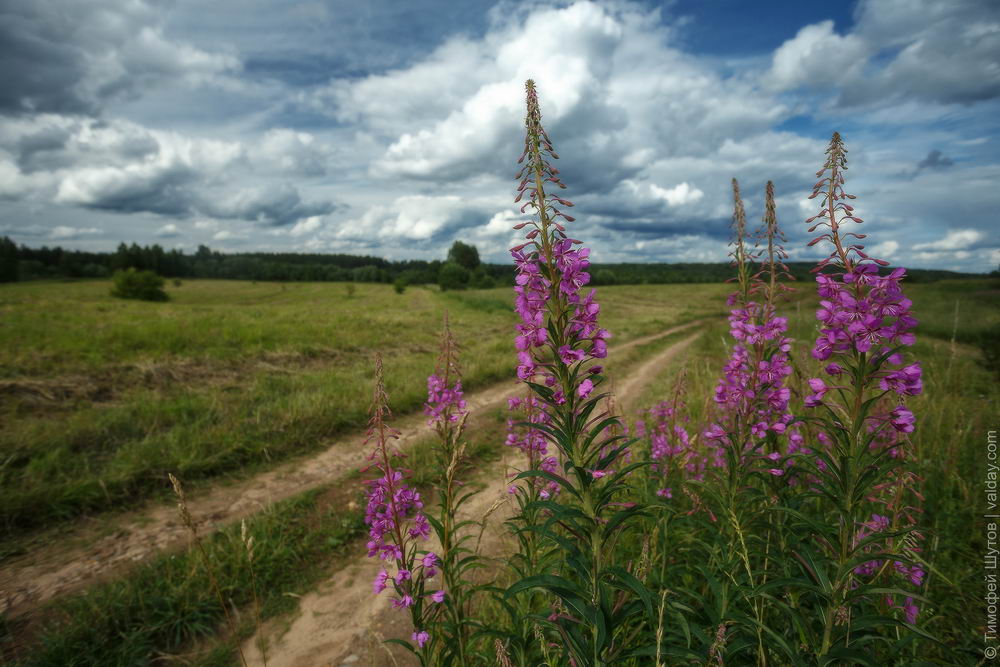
(100, 397)
(301, 374)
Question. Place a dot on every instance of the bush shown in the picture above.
(144, 285)
(481, 280)
(400, 285)
(453, 276)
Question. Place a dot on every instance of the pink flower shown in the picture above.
(437, 596)
(421, 638)
(587, 386)
(379, 584)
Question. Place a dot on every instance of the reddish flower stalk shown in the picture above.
(865, 323)
(394, 518)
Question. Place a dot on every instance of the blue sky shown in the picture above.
(392, 128)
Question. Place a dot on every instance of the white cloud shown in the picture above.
(306, 226)
(817, 57)
(678, 195)
(885, 250)
(63, 233)
(956, 239)
(168, 231)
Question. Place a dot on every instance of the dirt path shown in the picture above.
(343, 623)
(78, 557)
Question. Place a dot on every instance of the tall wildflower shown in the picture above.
(752, 404)
(864, 325)
(396, 524)
(558, 340)
(448, 411)
(751, 395)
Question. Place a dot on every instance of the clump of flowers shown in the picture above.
(751, 395)
(558, 340)
(865, 324)
(396, 525)
(669, 441)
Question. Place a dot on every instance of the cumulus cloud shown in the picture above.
(817, 57)
(126, 168)
(74, 57)
(942, 52)
(168, 231)
(956, 239)
(64, 233)
(678, 195)
(391, 130)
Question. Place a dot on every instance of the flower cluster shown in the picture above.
(530, 440)
(551, 270)
(394, 518)
(669, 441)
(444, 403)
(391, 506)
(751, 394)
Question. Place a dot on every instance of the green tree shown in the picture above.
(453, 276)
(8, 261)
(144, 285)
(464, 255)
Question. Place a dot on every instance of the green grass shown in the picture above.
(156, 610)
(166, 605)
(957, 408)
(102, 397)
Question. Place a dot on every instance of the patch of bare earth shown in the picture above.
(343, 623)
(82, 555)
(104, 385)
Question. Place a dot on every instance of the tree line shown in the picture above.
(460, 269)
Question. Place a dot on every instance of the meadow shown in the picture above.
(100, 397)
(290, 333)
(800, 487)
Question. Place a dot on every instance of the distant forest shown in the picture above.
(462, 267)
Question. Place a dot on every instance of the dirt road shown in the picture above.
(78, 555)
(343, 623)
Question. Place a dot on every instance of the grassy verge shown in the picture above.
(100, 398)
(166, 607)
(958, 406)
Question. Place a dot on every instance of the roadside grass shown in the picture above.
(100, 398)
(166, 604)
(957, 408)
(165, 608)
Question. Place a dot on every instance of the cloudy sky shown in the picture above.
(392, 128)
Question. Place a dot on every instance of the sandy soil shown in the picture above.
(77, 555)
(343, 623)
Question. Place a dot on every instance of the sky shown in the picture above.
(393, 128)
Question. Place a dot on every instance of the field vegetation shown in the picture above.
(102, 397)
(797, 486)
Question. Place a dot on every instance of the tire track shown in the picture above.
(79, 557)
(343, 623)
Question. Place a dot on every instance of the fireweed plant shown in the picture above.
(396, 526)
(600, 607)
(864, 558)
(752, 418)
(448, 412)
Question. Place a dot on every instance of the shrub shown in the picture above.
(144, 285)
(463, 254)
(400, 284)
(453, 276)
